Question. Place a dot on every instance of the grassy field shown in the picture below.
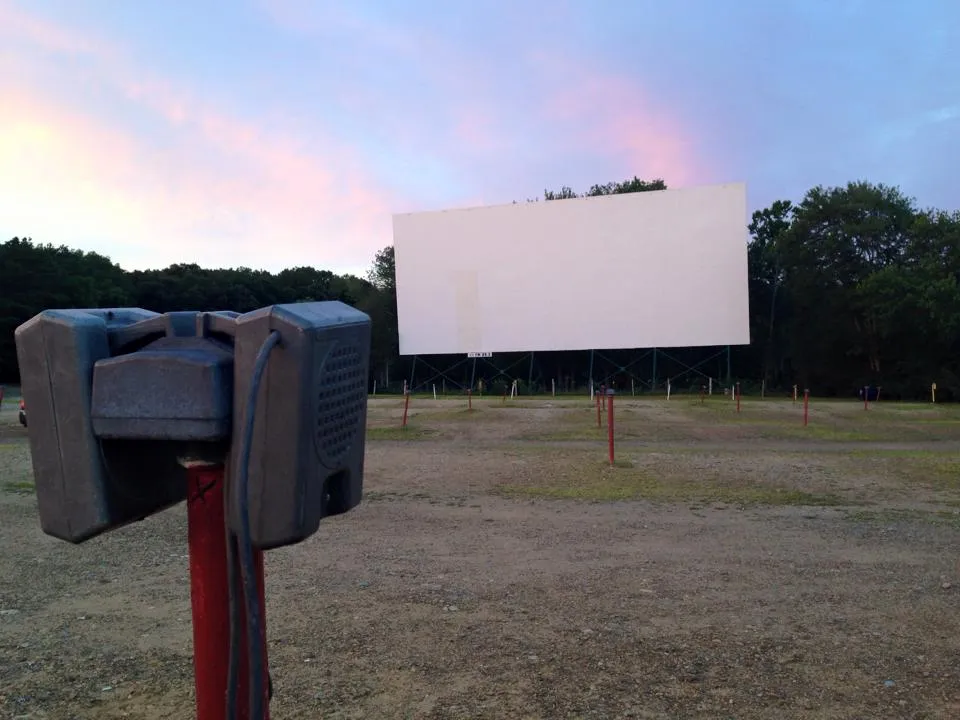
(727, 565)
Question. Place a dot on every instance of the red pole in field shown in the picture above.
(1, 397)
(738, 397)
(866, 397)
(599, 421)
(610, 424)
(209, 597)
(806, 406)
(603, 396)
(469, 399)
(504, 396)
(702, 391)
(406, 407)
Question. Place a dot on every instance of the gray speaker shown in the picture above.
(306, 459)
(87, 484)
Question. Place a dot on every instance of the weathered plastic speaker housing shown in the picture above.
(306, 459)
(119, 398)
(76, 495)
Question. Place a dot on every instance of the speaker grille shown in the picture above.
(341, 394)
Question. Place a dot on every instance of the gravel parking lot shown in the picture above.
(728, 565)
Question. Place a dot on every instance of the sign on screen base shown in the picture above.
(479, 354)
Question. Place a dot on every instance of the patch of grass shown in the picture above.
(827, 432)
(885, 453)
(19, 487)
(624, 482)
(398, 433)
(550, 448)
(944, 473)
(574, 428)
(15, 467)
(454, 413)
(594, 433)
(935, 469)
(387, 495)
(891, 516)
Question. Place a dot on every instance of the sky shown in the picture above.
(279, 133)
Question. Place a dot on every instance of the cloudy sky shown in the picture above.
(270, 133)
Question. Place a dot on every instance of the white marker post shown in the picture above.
(710, 386)
(632, 392)
(434, 391)
(668, 388)
(553, 387)
(374, 388)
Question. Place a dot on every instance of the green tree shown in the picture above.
(34, 277)
(852, 285)
(766, 275)
(632, 185)
(838, 237)
(383, 272)
(381, 306)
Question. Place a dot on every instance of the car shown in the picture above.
(23, 413)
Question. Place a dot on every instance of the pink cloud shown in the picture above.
(459, 85)
(577, 109)
(308, 17)
(48, 35)
(227, 190)
(615, 116)
(476, 127)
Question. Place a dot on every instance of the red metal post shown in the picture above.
(806, 405)
(599, 420)
(469, 399)
(610, 424)
(866, 397)
(406, 407)
(504, 396)
(738, 397)
(210, 596)
(1, 397)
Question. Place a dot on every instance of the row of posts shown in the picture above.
(513, 390)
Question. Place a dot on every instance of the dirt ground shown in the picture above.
(728, 566)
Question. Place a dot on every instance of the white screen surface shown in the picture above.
(639, 270)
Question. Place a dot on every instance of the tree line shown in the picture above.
(850, 286)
